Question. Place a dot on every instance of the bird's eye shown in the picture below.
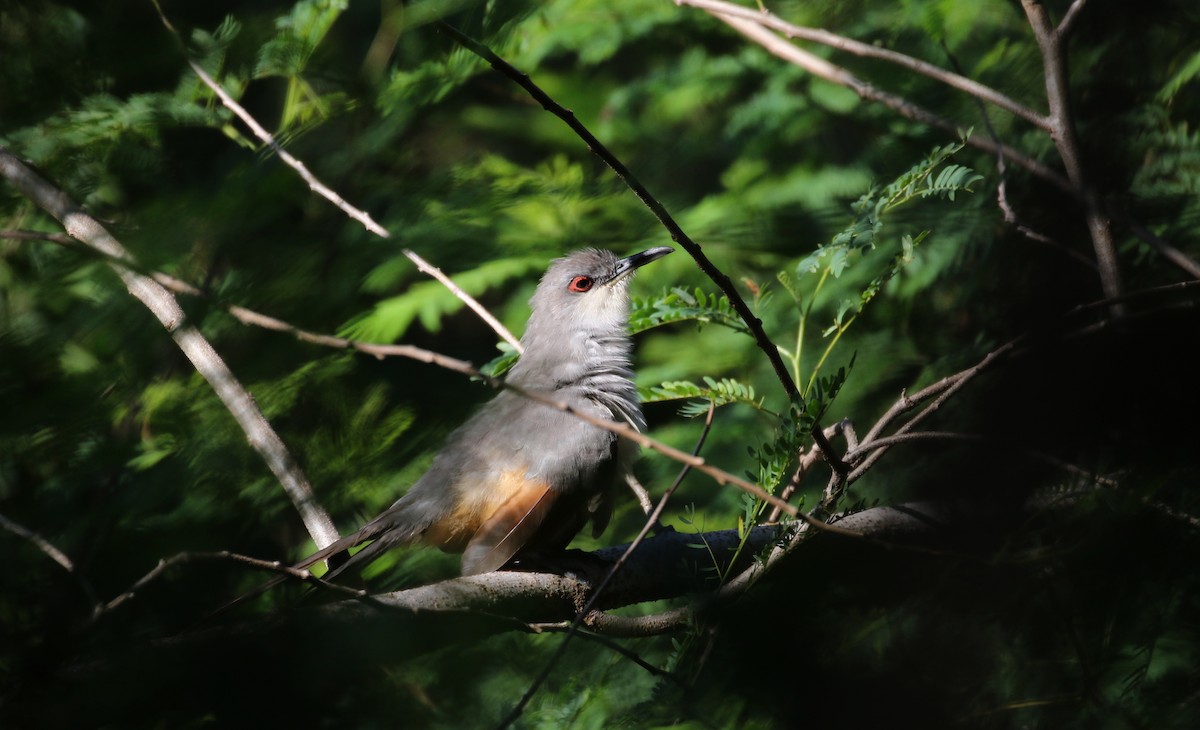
(580, 283)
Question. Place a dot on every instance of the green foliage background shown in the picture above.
(117, 452)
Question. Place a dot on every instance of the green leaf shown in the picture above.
(677, 305)
(718, 392)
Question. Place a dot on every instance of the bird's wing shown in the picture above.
(509, 528)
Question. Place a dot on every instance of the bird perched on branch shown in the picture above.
(521, 476)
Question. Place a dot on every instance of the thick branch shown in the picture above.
(665, 566)
(669, 565)
(1058, 96)
(163, 305)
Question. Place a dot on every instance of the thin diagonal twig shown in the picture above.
(456, 290)
(753, 323)
(1165, 249)
(328, 193)
(609, 643)
(222, 556)
(1067, 24)
(313, 183)
(1051, 42)
(939, 392)
(583, 613)
(52, 552)
(677, 234)
(39, 542)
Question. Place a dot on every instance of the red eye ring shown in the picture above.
(580, 284)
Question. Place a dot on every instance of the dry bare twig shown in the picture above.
(39, 542)
(939, 392)
(326, 192)
(313, 183)
(866, 50)
(605, 641)
(223, 556)
(52, 552)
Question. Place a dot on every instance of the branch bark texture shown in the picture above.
(1052, 43)
(163, 305)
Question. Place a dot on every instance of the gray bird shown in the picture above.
(520, 475)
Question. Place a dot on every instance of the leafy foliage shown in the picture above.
(427, 301)
(678, 305)
(719, 393)
(869, 210)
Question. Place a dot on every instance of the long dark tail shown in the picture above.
(382, 529)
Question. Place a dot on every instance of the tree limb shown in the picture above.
(668, 565)
(163, 305)
(1058, 94)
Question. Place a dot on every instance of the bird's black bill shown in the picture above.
(637, 260)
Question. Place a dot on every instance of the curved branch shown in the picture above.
(667, 565)
(835, 74)
(52, 552)
(39, 542)
(866, 50)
